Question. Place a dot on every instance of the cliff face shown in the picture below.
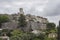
(36, 22)
(33, 22)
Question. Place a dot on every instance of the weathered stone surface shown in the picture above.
(33, 22)
(9, 25)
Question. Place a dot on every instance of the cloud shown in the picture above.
(53, 8)
(46, 8)
(11, 4)
(54, 19)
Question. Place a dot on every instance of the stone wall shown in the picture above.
(35, 26)
(9, 25)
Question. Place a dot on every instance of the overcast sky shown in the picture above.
(46, 8)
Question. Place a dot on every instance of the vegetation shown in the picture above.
(1, 39)
(58, 32)
(18, 34)
(50, 26)
(22, 20)
(3, 18)
(46, 38)
(6, 31)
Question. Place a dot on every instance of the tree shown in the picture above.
(7, 32)
(41, 36)
(50, 26)
(16, 35)
(16, 32)
(36, 39)
(19, 35)
(22, 21)
(3, 18)
(58, 32)
(1, 39)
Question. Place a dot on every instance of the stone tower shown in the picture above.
(21, 11)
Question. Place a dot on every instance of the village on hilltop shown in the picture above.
(34, 24)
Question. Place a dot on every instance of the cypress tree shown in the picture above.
(22, 22)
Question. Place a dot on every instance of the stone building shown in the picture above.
(52, 35)
(33, 22)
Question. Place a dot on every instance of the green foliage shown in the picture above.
(51, 39)
(15, 35)
(46, 38)
(6, 31)
(50, 26)
(36, 39)
(0, 32)
(3, 18)
(41, 36)
(18, 35)
(16, 32)
(1, 39)
(15, 38)
(22, 20)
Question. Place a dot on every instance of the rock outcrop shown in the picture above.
(33, 22)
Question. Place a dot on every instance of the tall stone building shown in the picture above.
(33, 22)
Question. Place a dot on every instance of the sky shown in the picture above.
(45, 8)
